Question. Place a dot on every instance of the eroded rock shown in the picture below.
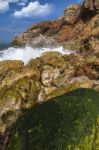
(92, 4)
(72, 13)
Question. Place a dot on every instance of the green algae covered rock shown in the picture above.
(67, 122)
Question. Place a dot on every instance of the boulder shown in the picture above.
(66, 122)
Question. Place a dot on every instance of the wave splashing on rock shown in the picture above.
(31, 52)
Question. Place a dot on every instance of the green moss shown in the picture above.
(67, 122)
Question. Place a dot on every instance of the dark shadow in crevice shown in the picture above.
(87, 14)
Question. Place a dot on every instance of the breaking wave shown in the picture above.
(27, 53)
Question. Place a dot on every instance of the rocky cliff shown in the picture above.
(78, 29)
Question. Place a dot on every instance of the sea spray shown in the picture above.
(26, 53)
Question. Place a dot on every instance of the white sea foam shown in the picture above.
(27, 53)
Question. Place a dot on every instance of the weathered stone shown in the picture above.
(89, 4)
(11, 76)
(10, 64)
(18, 90)
(72, 13)
(96, 4)
(49, 75)
(41, 95)
(20, 96)
(48, 56)
(90, 68)
(35, 62)
(63, 78)
(74, 83)
(94, 44)
(46, 28)
(92, 4)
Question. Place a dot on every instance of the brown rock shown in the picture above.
(41, 95)
(94, 45)
(96, 4)
(72, 13)
(74, 83)
(64, 77)
(91, 4)
(49, 75)
(13, 75)
(47, 28)
(90, 68)
(10, 64)
(37, 62)
(49, 56)
(18, 90)
(20, 96)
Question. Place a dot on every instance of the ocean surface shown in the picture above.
(4, 46)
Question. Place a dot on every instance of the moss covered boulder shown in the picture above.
(67, 122)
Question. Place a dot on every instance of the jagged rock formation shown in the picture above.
(42, 78)
(78, 29)
(72, 14)
(18, 90)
